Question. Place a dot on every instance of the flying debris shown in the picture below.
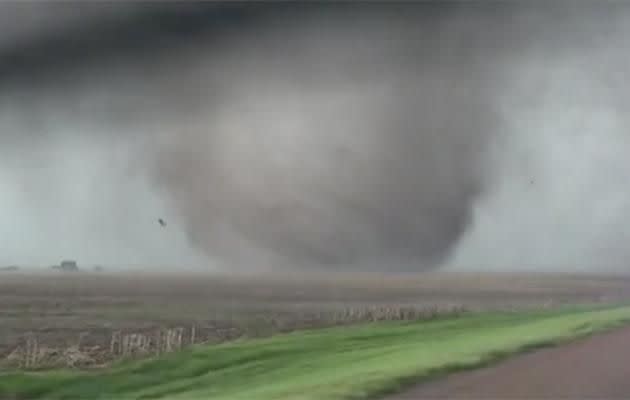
(162, 223)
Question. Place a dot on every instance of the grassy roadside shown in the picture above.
(338, 363)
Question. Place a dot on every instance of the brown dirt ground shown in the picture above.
(594, 368)
(86, 309)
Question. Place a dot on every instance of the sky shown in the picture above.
(367, 136)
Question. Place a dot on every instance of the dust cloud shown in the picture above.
(355, 136)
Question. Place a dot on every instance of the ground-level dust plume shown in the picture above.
(365, 136)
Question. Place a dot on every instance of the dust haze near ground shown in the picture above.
(359, 136)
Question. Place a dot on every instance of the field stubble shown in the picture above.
(88, 319)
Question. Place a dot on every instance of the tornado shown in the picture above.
(335, 136)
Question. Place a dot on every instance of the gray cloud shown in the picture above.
(360, 135)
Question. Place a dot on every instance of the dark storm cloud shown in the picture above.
(336, 134)
(44, 39)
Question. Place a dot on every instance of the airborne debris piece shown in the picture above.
(161, 221)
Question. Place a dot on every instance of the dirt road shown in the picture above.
(594, 368)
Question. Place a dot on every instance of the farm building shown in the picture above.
(67, 265)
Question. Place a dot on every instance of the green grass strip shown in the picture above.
(339, 363)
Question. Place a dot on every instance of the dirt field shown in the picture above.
(103, 315)
(594, 368)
